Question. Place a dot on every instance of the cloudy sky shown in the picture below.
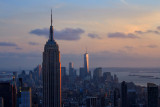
(116, 33)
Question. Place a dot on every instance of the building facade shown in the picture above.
(86, 62)
(152, 92)
(97, 74)
(26, 97)
(124, 98)
(51, 72)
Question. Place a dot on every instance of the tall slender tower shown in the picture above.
(86, 63)
(51, 72)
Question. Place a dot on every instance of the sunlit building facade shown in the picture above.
(86, 63)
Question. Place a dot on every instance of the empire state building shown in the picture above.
(51, 72)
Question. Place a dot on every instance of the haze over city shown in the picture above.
(116, 33)
(79, 53)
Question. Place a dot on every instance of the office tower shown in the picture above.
(81, 72)
(30, 74)
(102, 101)
(116, 97)
(20, 83)
(152, 91)
(19, 88)
(124, 94)
(6, 94)
(26, 97)
(91, 102)
(107, 76)
(115, 78)
(70, 65)
(51, 72)
(38, 72)
(14, 92)
(63, 76)
(131, 98)
(159, 100)
(1, 102)
(97, 74)
(15, 75)
(23, 72)
(71, 69)
(86, 63)
(63, 71)
(72, 73)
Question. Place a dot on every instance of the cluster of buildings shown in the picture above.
(22, 90)
(104, 90)
(50, 86)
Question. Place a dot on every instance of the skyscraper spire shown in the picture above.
(86, 50)
(51, 17)
(51, 38)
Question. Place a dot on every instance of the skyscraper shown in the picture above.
(71, 69)
(26, 97)
(81, 72)
(91, 102)
(124, 94)
(63, 71)
(51, 72)
(6, 93)
(152, 91)
(86, 63)
(116, 97)
(72, 73)
(97, 74)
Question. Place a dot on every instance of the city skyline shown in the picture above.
(120, 33)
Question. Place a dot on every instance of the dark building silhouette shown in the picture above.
(72, 71)
(124, 94)
(6, 94)
(116, 97)
(91, 102)
(19, 89)
(1, 102)
(51, 68)
(107, 76)
(14, 92)
(131, 98)
(97, 74)
(152, 91)
(63, 76)
(63, 71)
(72, 74)
(38, 73)
(81, 73)
(26, 97)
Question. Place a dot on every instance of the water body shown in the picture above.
(140, 76)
